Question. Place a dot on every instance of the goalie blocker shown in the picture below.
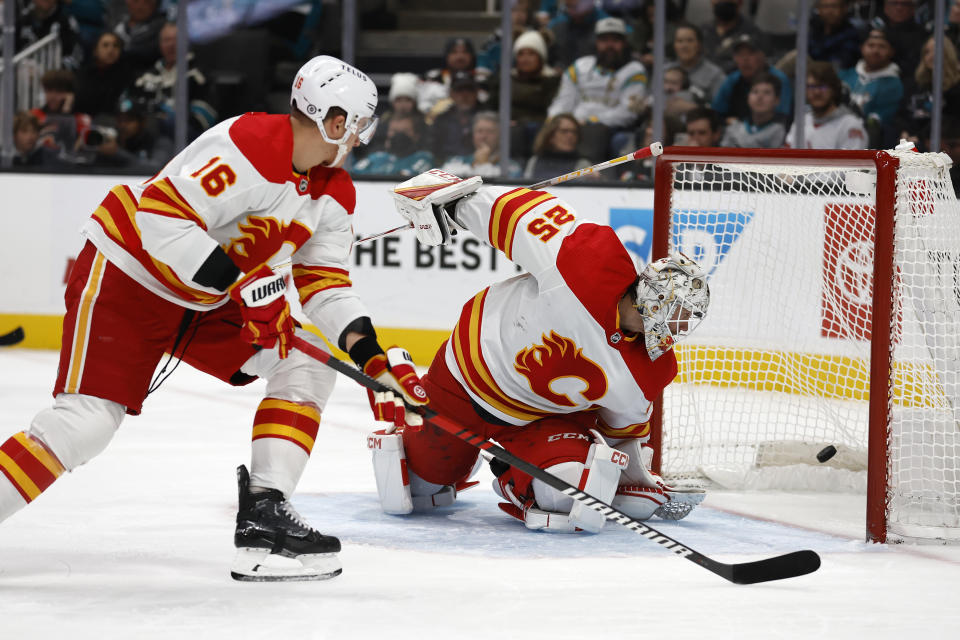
(424, 199)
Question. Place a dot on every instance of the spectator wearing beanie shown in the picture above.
(533, 86)
(403, 93)
(402, 100)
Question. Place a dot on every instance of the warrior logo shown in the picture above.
(262, 237)
(558, 358)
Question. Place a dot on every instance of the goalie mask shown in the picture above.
(325, 82)
(672, 296)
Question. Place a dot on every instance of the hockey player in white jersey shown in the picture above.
(560, 365)
(184, 263)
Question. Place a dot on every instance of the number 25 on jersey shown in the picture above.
(547, 226)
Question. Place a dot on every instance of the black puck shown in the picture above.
(826, 453)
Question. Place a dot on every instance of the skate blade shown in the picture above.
(259, 565)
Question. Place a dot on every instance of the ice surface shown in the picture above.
(138, 544)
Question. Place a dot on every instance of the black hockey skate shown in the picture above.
(273, 542)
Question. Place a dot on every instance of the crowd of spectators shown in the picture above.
(110, 103)
(580, 86)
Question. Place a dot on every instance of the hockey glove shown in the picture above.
(395, 369)
(423, 198)
(643, 493)
(266, 313)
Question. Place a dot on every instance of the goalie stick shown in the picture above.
(654, 149)
(789, 565)
(12, 338)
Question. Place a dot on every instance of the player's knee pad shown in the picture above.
(401, 491)
(77, 427)
(643, 494)
(596, 472)
(298, 377)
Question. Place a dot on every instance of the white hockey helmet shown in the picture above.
(672, 296)
(325, 82)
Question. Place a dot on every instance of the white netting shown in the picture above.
(780, 367)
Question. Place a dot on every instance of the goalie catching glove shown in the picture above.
(266, 313)
(642, 493)
(395, 369)
(423, 200)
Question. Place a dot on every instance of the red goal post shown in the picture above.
(834, 274)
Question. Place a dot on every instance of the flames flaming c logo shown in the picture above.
(559, 357)
(262, 237)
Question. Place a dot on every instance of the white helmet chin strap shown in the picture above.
(342, 149)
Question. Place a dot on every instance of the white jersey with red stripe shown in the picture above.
(235, 187)
(548, 341)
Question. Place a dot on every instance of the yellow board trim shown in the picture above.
(810, 375)
(728, 367)
(45, 331)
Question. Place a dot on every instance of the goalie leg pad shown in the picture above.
(390, 471)
(599, 477)
(402, 491)
(565, 448)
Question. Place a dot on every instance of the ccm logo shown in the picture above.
(443, 174)
(374, 443)
(568, 436)
(620, 459)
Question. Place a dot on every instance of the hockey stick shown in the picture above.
(12, 338)
(654, 149)
(789, 565)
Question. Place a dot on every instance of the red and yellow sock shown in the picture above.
(286, 420)
(28, 465)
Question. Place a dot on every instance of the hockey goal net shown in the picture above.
(834, 321)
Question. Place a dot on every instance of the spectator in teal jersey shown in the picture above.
(874, 84)
(731, 99)
(401, 154)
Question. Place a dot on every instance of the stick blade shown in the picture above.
(790, 565)
(12, 338)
